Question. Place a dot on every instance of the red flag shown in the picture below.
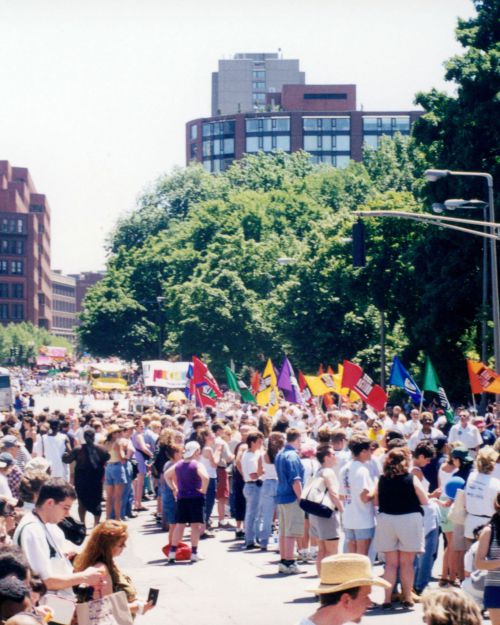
(202, 375)
(304, 389)
(328, 401)
(255, 383)
(204, 396)
(354, 379)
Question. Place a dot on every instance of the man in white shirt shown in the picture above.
(413, 425)
(52, 446)
(466, 433)
(356, 487)
(42, 541)
(252, 469)
(427, 431)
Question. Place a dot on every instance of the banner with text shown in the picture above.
(165, 374)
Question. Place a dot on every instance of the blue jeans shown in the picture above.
(266, 511)
(252, 498)
(168, 503)
(209, 500)
(127, 497)
(425, 561)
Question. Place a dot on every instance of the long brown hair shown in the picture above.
(397, 462)
(99, 547)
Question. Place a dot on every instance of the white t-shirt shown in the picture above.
(411, 426)
(249, 464)
(54, 448)
(419, 436)
(43, 546)
(343, 457)
(480, 493)
(468, 435)
(354, 479)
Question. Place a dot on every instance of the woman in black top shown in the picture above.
(400, 532)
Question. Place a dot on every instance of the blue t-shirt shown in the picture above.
(288, 468)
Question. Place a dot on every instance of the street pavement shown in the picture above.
(230, 586)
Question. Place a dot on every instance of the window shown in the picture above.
(371, 141)
(325, 96)
(36, 208)
(402, 124)
(62, 289)
(17, 291)
(283, 143)
(216, 145)
(194, 132)
(259, 98)
(207, 148)
(4, 290)
(252, 144)
(228, 146)
(258, 86)
(17, 311)
(4, 266)
(193, 151)
(20, 226)
(341, 161)
(334, 124)
(258, 74)
(343, 143)
(4, 311)
(228, 127)
(17, 267)
(253, 125)
(310, 143)
(207, 130)
(369, 123)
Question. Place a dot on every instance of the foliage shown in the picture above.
(19, 342)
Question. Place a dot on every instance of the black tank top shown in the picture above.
(396, 495)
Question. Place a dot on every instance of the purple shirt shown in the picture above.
(188, 480)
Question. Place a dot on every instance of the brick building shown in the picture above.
(25, 284)
(320, 119)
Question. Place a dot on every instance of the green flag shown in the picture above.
(238, 386)
(432, 384)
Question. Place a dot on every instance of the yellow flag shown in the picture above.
(268, 389)
(316, 385)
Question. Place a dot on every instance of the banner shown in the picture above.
(55, 353)
(268, 389)
(288, 384)
(482, 379)
(165, 374)
(360, 382)
(239, 387)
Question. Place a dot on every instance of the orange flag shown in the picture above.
(482, 379)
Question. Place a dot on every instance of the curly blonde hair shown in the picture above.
(486, 459)
(99, 547)
(450, 606)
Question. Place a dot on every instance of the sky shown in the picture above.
(95, 94)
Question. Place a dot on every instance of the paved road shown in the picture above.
(231, 586)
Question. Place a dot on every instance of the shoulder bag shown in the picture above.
(109, 610)
(315, 498)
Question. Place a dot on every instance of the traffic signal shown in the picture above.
(358, 244)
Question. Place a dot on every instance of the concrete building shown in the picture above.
(25, 285)
(320, 119)
(241, 84)
(64, 308)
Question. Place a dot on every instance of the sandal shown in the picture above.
(444, 582)
(387, 606)
(408, 604)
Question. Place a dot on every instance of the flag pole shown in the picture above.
(474, 402)
(421, 402)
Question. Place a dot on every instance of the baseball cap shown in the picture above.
(6, 460)
(9, 441)
(190, 449)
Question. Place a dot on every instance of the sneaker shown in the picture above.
(206, 534)
(291, 569)
(171, 559)
(195, 557)
(240, 534)
(251, 546)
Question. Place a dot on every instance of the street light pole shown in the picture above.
(435, 174)
(159, 301)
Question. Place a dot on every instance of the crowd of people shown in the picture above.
(393, 486)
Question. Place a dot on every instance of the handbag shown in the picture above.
(110, 610)
(315, 498)
(74, 531)
(457, 511)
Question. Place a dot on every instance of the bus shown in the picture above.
(5, 390)
(107, 376)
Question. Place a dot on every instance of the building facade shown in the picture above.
(84, 281)
(25, 285)
(241, 84)
(320, 119)
(64, 308)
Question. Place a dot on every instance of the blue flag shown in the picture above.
(401, 378)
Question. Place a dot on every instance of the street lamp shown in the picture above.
(435, 174)
(159, 301)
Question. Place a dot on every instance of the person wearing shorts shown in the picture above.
(188, 480)
(356, 488)
(400, 523)
(290, 472)
(327, 530)
(488, 559)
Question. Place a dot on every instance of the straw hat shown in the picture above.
(344, 571)
(114, 428)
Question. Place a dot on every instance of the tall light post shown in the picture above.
(435, 174)
(159, 301)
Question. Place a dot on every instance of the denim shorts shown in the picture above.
(115, 474)
(169, 505)
(363, 534)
